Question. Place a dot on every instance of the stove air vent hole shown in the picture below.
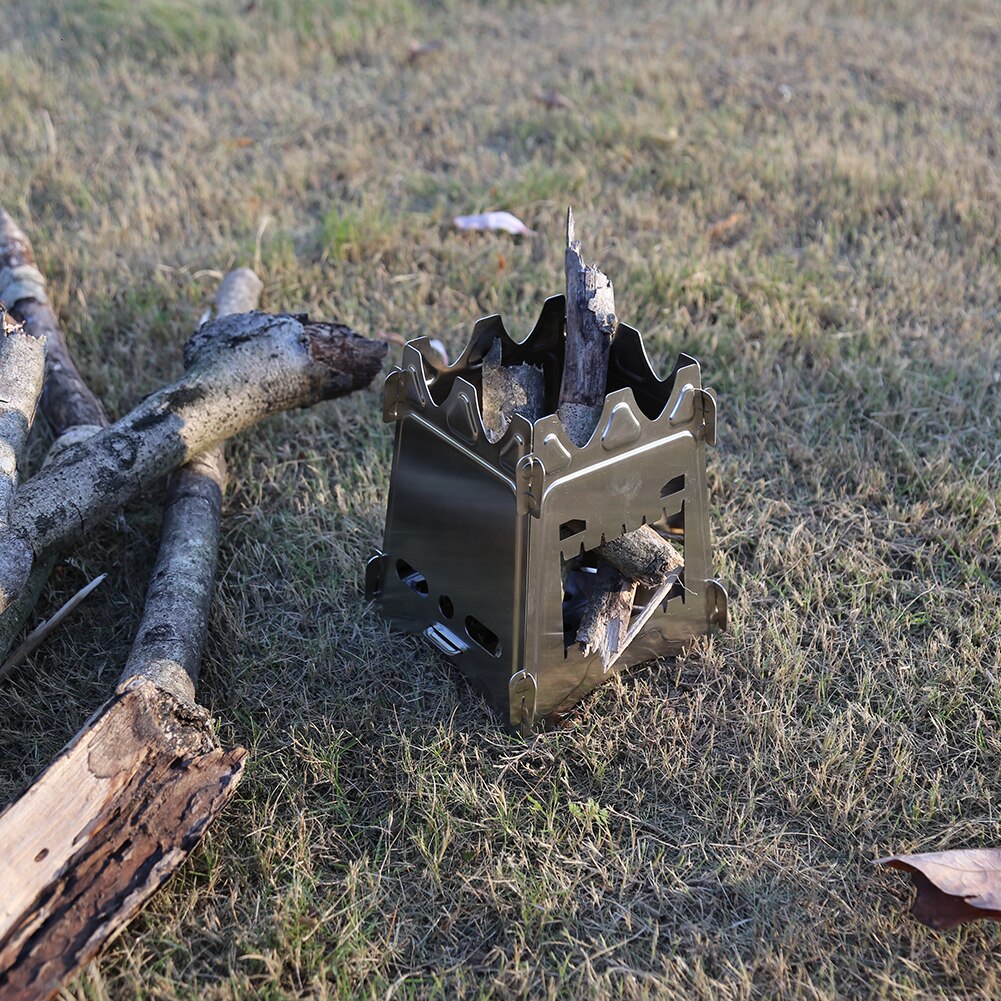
(414, 579)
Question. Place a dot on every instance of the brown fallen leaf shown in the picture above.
(418, 50)
(553, 99)
(953, 887)
(727, 230)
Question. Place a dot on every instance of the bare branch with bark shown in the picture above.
(240, 370)
(71, 409)
(171, 636)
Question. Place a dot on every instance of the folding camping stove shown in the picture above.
(477, 533)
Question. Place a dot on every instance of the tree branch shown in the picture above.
(72, 410)
(241, 369)
(171, 636)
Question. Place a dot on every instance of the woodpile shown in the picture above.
(128, 798)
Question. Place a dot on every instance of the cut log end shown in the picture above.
(352, 361)
(238, 292)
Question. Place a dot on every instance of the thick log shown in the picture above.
(591, 326)
(103, 827)
(241, 369)
(171, 636)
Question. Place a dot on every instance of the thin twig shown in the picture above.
(40, 633)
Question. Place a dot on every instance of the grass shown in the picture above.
(701, 827)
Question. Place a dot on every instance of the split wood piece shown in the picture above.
(241, 369)
(591, 325)
(102, 829)
(640, 557)
(605, 623)
(509, 390)
(171, 636)
(639, 620)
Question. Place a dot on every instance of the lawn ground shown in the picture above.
(806, 196)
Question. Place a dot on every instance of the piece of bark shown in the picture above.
(605, 623)
(241, 369)
(104, 826)
(171, 636)
(509, 390)
(591, 325)
(644, 556)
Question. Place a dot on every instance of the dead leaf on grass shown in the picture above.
(418, 50)
(504, 221)
(553, 99)
(953, 887)
(727, 230)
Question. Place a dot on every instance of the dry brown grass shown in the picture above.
(701, 828)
